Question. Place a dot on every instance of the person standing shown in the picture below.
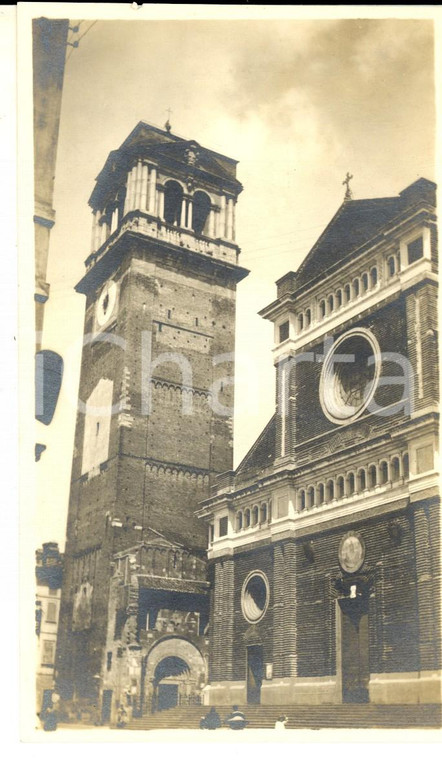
(50, 719)
(122, 718)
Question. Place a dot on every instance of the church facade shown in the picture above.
(324, 552)
(321, 582)
(154, 425)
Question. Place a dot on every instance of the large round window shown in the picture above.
(350, 375)
(255, 596)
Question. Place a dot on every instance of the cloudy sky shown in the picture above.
(297, 103)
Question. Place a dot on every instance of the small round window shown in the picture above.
(106, 303)
(255, 596)
(349, 376)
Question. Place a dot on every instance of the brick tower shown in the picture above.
(154, 419)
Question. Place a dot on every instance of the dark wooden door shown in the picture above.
(354, 652)
(167, 696)
(106, 706)
(255, 669)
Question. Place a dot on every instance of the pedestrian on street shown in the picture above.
(122, 717)
(50, 719)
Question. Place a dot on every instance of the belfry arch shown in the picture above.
(173, 199)
(201, 211)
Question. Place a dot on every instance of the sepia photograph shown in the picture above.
(234, 517)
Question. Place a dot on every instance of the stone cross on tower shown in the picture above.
(348, 194)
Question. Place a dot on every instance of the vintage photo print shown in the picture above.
(232, 518)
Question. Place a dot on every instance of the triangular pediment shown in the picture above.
(262, 453)
(155, 538)
(355, 222)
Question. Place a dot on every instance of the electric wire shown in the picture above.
(80, 38)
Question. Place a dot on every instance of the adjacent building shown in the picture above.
(48, 63)
(48, 575)
(324, 544)
(49, 54)
(154, 425)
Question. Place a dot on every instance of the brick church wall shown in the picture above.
(261, 632)
(393, 621)
(389, 327)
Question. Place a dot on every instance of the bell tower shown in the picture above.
(154, 422)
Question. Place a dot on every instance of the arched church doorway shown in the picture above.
(169, 675)
(174, 674)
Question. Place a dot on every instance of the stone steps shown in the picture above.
(302, 716)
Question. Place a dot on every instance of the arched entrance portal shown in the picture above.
(170, 674)
(175, 673)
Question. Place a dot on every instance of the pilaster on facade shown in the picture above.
(427, 591)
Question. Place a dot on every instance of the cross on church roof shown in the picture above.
(348, 193)
(168, 125)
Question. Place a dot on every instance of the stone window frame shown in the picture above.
(327, 382)
(263, 576)
(423, 232)
(223, 526)
(51, 607)
(48, 652)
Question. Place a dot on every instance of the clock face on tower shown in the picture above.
(105, 307)
(349, 376)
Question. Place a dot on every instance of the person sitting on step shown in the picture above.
(236, 720)
(281, 722)
(211, 720)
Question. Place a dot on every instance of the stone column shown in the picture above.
(212, 223)
(190, 213)
(133, 187)
(114, 220)
(222, 218)
(137, 194)
(97, 231)
(152, 190)
(94, 230)
(183, 214)
(160, 194)
(128, 205)
(105, 230)
(229, 221)
(143, 195)
(233, 219)
(102, 236)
